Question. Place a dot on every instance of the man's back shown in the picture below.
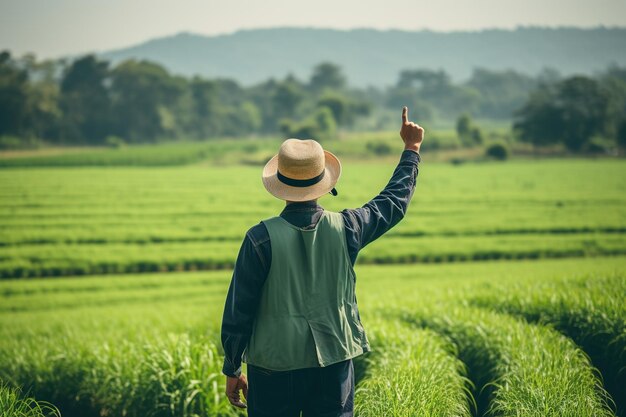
(307, 314)
(316, 386)
(362, 226)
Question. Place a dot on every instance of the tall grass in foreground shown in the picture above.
(14, 404)
(411, 373)
(591, 311)
(170, 376)
(520, 369)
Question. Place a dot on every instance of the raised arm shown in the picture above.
(368, 223)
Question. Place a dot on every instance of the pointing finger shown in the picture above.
(405, 114)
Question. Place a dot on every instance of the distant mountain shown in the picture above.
(373, 57)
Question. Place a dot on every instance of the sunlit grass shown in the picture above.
(14, 404)
(412, 372)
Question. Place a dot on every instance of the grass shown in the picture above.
(56, 222)
(249, 151)
(412, 373)
(519, 335)
(14, 404)
(168, 375)
(518, 369)
(168, 154)
(589, 311)
(116, 339)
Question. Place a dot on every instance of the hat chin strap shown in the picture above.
(333, 192)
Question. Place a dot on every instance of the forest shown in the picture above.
(88, 101)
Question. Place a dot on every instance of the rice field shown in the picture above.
(78, 221)
(500, 294)
(149, 343)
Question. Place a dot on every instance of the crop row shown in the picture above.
(62, 260)
(181, 153)
(523, 367)
(411, 372)
(517, 367)
(160, 222)
(591, 312)
(173, 375)
(115, 339)
(147, 204)
(68, 232)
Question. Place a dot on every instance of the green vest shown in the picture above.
(307, 315)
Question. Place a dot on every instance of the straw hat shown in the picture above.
(301, 171)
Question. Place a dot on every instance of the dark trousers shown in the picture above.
(316, 392)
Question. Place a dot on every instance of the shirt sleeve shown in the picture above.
(368, 223)
(242, 301)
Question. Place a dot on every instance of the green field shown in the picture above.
(70, 221)
(138, 344)
(501, 293)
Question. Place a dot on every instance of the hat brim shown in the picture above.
(290, 193)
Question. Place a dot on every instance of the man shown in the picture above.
(291, 310)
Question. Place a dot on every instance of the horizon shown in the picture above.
(354, 29)
(71, 27)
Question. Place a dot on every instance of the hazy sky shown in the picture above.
(52, 28)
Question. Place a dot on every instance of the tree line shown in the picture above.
(581, 113)
(90, 101)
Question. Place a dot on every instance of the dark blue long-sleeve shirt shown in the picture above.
(362, 226)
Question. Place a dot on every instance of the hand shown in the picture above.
(233, 385)
(411, 133)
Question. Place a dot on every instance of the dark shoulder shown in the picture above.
(350, 218)
(258, 234)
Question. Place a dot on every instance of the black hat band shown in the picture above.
(300, 183)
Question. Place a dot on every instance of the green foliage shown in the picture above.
(13, 142)
(114, 142)
(85, 101)
(320, 126)
(621, 134)
(379, 148)
(498, 151)
(469, 135)
(343, 109)
(146, 344)
(589, 311)
(501, 92)
(286, 98)
(569, 112)
(13, 404)
(437, 89)
(327, 75)
(338, 105)
(516, 366)
(326, 124)
(141, 101)
(411, 371)
(13, 96)
(141, 95)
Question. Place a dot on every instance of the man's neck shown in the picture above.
(306, 203)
